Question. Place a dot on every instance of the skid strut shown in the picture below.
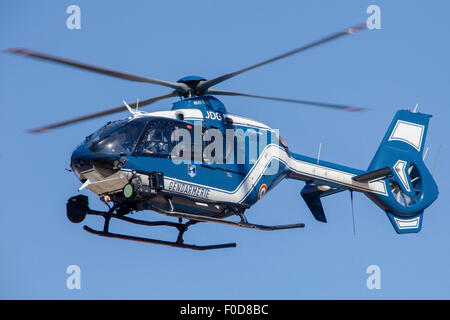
(243, 223)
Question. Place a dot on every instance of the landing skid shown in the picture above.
(78, 208)
(160, 242)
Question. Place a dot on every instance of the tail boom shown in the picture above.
(397, 179)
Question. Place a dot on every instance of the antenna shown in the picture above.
(415, 108)
(425, 154)
(318, 155)
(128, 107)
(85, 184)
(135, 111)
(353, 212)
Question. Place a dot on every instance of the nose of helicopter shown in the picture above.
(83, 161)
(100, 174)
(80, 160)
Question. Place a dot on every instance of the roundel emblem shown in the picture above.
(262, 191)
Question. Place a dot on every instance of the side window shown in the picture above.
(156, 140)
(182, 144)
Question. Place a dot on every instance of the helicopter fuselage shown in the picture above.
(194, 185)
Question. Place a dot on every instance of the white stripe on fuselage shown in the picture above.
(275, 152)
(240, 193)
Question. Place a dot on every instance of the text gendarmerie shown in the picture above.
(189, 189)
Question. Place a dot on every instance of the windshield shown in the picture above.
(106, 129)
(117, 137)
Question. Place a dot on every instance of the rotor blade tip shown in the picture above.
(354, 29)
(20, 51)
(37, 131)
(12, 50)
(357, 109)
(362, 25)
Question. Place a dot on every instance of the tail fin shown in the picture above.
(410, 186)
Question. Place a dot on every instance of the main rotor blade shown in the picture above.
(209, 83)
(101, 113)
(313, 103)
(28, 53)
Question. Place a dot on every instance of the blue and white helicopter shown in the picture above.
(137, 164)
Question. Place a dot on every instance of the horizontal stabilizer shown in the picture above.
(374, 175)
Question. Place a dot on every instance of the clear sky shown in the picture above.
(404, 63)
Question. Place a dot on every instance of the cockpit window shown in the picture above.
(105, 130)
(117, 137)
(156, 140)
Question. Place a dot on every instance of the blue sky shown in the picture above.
(404, 63)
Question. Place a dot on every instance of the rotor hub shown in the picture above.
(192, 82)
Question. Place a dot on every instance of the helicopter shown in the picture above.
(183, 162)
